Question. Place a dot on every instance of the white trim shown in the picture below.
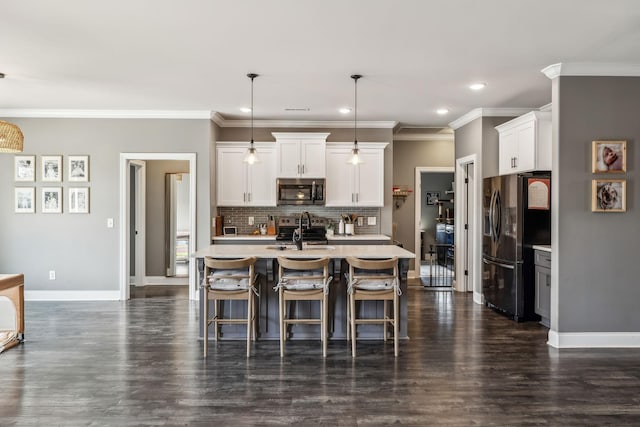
(107, 114)
(243, 123)
(424, 137)
(591, 69)
(487, 112)
(72, 295)
(300, 135)
(547, 108)
(376, 145)
(123, 280)
(476, 212)
(417, 213)
(141, 226)
(164, 281)
(594, 339)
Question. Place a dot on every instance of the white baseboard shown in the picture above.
(71, 295)
(166, 281)
(477, 298)
(593, 339)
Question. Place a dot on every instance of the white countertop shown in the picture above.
(311, 251)
(336, 237)
(546, 248)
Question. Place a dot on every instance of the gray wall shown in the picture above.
(407, 156)
(80, 247)
(597, 275)
(335, 135)
(155, 213)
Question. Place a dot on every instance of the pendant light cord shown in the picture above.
(355, 77)
(252, 76)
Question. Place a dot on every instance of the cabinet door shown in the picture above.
(507, 148)
(312, 158)
(339, 182)
(261, 187)
(370, 178)
(231, 176)
(289, 159)
(526, 147)
(543, 291)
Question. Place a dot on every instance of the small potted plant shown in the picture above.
(330, 228)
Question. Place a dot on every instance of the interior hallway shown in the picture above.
(140, 362)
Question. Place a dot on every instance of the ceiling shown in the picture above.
(193, 55)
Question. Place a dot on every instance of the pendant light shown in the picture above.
(251, 156)
(355, 152)
(11, 138)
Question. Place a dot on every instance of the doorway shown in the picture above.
(132, 258)
(434, 208)
(469, 186)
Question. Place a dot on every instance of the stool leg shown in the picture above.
(396, 323)
(385, 318)
(205, 324)
(352, 305)
(249, 315)
(348, 317)
(281, 309)
(323, 325)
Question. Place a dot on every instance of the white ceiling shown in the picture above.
(415, 55)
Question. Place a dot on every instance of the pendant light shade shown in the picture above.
(251, 156)
(355, 152)
(11, 138)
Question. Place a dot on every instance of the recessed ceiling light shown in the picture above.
(345, 110)
(442, 111)
(477, 86)
(245, 110)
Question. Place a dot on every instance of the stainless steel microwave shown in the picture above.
(299, 191)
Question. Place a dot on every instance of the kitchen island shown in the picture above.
(267, 314)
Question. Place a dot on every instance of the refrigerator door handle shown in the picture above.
(499, 264)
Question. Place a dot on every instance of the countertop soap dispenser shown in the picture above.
(341, 227)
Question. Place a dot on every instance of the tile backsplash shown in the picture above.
(239, 216)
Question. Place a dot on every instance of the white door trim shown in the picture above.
(141, 225)
(125, 160)
(475, 212)
(418, 209)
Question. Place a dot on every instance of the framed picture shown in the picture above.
(78, 199)
(432, 197)
(52, 200)
(25, 200)
(51, 167)
(78, 168)
(609, 156)
(609, 195)
(25, 168)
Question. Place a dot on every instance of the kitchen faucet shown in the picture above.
(297, 234)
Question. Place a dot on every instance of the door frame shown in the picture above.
(125, 224)
(474, 209)
(140, 223)
(418, 209)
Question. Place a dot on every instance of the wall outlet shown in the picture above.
(371, 220)
(360, 221)
(52, 275)
(250, 220)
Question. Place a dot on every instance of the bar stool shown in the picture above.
(226, 279)
(303, 280)
(373, 280)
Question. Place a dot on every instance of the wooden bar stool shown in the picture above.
(303, 280)
(227, 279)
(373, 280)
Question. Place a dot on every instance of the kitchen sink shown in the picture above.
(304, 248)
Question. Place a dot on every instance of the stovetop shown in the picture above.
(314, 233)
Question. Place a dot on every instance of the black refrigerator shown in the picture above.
(517, 215)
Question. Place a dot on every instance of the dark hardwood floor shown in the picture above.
(140, 363)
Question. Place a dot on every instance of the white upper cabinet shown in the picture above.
(355, 185)
(525, 143)
(301, 155)
(241, 184)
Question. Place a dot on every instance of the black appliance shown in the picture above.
(517, 215)
(295, 191)
(314, 233)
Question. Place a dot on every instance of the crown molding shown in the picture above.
(225, 123)
(487, 112)
(424, 137)
(591, 69)
(107, 114)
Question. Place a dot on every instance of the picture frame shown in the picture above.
(51, 168)
(51, 200)
(25, 201)
(432, 198)
(608, 195)
(609, 157)
(78, 167)
(24, 168)
(78, 199)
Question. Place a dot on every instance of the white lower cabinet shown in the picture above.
(355, 185)
(241, 184)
